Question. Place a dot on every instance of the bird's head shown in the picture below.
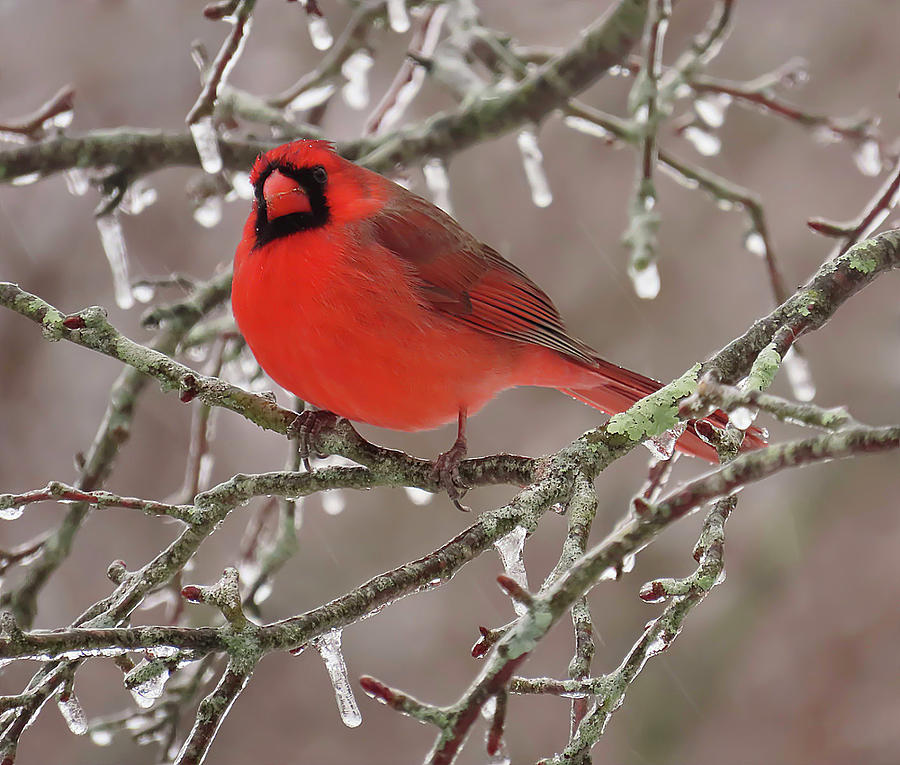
(305, 185)
(292, 187)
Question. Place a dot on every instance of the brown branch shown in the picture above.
(224, 61)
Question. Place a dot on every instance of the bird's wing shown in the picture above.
(468, 280)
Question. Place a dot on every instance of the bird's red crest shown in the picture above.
(300, 153)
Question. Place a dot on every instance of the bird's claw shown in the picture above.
(306, 428)
(446, 473)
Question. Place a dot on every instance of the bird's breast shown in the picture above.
(345, 327)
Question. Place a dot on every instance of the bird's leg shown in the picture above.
(446, 466)
(306, 428)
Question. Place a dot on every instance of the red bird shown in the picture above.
(367, 300)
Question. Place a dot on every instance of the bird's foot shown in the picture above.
(446, 473)
(306, 429)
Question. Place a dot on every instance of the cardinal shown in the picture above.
(368, 301)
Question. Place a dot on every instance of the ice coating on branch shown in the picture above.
(203, 131)
(12, 513)
(438, 183)
(209, 212)
(533, 162)
(329, 648)
(25, 180)
(679, 177)
(418, 497)
(711, 108)
(72, 713)
(356, 70)
(334, 501)
(705, 143)
(398, 17)
(113, 241)
(311, 98)
(878, 219)
(511, 549)
(403, 98)
(319, 33)
(663, 446)
(755, 243)
(868, 158)
(799, 376)
(587, 127)
(826, 135)
(645, 280)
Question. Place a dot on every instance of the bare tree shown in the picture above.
(190, 662)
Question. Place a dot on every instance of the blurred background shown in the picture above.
(792, 660)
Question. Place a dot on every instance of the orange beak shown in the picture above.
(284, 196)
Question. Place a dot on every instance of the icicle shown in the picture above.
(209, 212)
(114, 246)
(203, 132)
(868, 158)
(334, 502)
(755, 243)
(356, 70)
(60, 120)
(418, 497)
(143, 293)
(329, 648)
(240, 182)
(101, 737)
(319, 33)
(398, 18)
(12, 513)
(511, 548)
(645, 280)
(310, 98)
(72, 713)
(532, 160)
(137, 197)
(705, 143)
(204, 471)
(800, 378)
(438, 183)
(77, 181)
(149, 689)
(742, 417)
(711, 108)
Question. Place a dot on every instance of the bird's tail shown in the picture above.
(622, 388)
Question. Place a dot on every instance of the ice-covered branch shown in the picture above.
(645, 110)
(114, 430)
(603, 44)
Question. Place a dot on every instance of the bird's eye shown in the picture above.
(319, 175)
